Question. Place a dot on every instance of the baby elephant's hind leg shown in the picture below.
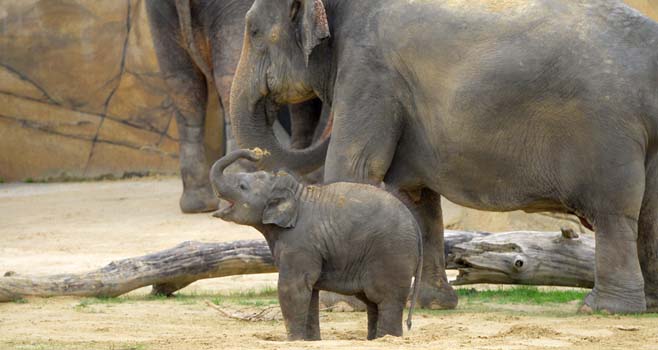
(372, 316)
(389, 320)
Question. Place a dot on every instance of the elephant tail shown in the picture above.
(184, 10)
(417, 275)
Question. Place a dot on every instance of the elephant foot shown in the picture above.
(198, 200)
(437, 295)
(630, 303)
(652, 303)
(313, 337)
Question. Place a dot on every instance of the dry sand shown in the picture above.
(52, 228)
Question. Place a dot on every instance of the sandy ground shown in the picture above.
(52, 228)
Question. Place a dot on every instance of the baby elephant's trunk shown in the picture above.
(417, 276)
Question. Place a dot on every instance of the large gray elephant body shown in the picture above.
(198, 46)
(539, 105)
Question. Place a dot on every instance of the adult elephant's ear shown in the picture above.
(314, 23)
(281, 208)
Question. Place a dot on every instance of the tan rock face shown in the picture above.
(80, 91)
(81, 94)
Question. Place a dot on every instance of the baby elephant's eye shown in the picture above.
(243, 187)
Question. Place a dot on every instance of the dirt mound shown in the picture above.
(527, 332)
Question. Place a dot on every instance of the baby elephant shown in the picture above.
(347, 238)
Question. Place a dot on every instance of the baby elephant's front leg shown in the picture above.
(295, 298)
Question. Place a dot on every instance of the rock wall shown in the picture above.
(80, 91)
(81, 95)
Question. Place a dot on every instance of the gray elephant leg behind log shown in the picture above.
(435, 292)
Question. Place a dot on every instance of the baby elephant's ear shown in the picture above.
(281, 209)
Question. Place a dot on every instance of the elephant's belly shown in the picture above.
(481, 173)
(506, 194)
(338, 284)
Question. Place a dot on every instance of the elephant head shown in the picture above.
(278, 41)
(254, 198)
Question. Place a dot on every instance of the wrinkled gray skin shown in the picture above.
(347, 238)
(198, 42)
(538, 105)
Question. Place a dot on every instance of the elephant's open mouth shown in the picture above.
(225, 207)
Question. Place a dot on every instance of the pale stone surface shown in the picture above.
(80, 91)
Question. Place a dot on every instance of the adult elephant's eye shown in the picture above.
(242, 187)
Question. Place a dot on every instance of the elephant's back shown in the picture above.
(355, 203)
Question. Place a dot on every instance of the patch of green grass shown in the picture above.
(520, 295)
(267, 292)
(20, 301)
(128, 347)
(2, 180)
(258, 303)
(255, 297)
(259, 298)
(32, 347)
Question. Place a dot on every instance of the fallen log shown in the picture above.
(167, 270)
(541, 258)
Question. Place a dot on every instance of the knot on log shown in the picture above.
(519, 262)
(568, 233)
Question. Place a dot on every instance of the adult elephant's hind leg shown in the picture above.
(618, 282)
(186, 86)
(615, 205)
(648, 237)
(435, 291)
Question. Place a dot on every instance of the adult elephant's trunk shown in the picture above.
(251, 110)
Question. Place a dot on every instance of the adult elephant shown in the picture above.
(198, 44)
(539, 105)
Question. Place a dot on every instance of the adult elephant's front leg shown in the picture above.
(435, 291)
(366, 130)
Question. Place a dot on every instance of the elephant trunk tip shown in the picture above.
(259, 153)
